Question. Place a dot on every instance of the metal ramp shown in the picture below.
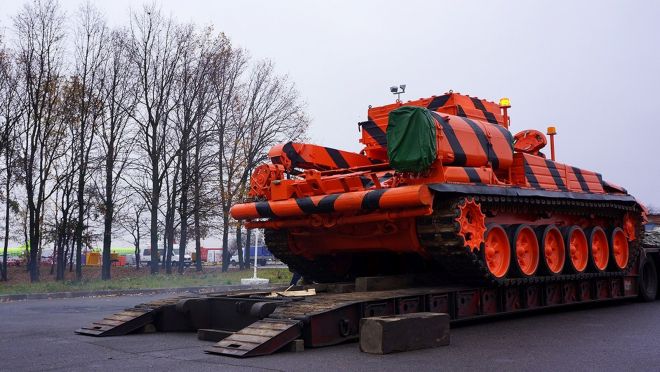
(119, 324)
(260, 338)
(128, 320)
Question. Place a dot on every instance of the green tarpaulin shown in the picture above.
(411, 143)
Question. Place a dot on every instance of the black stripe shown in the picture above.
(263, 209)
(485, 144)
(609, 186)
(506, 135)
(337, 158)
(306, 205)
(326, 204)
(368, 182)
(438, 102)
(473, 175)
(460, 112)
(375, 132)
(372, 199)
(491, 117)
(581, 180)
(529, 174)
(293, 155)
(480, 106)
(376, 161)
(459, 155)
(555, 175)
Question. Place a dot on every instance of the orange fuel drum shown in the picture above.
(401, 197)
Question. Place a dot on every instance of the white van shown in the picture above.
(145, 258)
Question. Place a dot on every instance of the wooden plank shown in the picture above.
(404, 332)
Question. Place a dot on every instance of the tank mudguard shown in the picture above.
(523, 192)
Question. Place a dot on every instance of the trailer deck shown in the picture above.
(262, 321)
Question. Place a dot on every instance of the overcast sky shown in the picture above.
(588, 68)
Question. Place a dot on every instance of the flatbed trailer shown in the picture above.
(251, 322)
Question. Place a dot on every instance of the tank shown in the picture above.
(442, 188)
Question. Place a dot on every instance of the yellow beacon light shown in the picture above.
(504, 102)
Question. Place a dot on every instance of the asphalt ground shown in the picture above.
(38, 335)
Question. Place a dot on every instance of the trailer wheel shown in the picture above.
(648, 283)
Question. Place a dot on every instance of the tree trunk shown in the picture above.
(239, 247)
(81, 222)
(155, 200)
(225, 242)
(247, 248)
(109, 211)
(6, 243)
(196, 202)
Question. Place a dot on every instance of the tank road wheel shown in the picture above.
(472, 223)
(618, 249)
(525, 251)
(496, 252)
(648, 281)
(553, 251)
(598, 248)
(577, 250)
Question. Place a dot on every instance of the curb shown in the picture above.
(60, 295)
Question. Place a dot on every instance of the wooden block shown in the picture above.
(405, 332)
(147, 328)
(297, 345)
(214, 335)
(383, 283)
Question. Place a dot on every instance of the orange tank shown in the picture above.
(454, 194)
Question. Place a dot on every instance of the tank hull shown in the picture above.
(435, 244)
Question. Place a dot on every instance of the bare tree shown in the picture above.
(171, 197)
(40, 45)
(268, 112)
(131, 219)
(65, 204)
(195, 103)
(90, 51)
(10, 112)
(115, 135)
(229, 68)
(156, 45)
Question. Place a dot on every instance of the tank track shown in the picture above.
(438, 234)
(278, 244)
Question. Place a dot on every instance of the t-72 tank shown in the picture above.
(443, 188)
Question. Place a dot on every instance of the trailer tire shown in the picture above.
(648, 281)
